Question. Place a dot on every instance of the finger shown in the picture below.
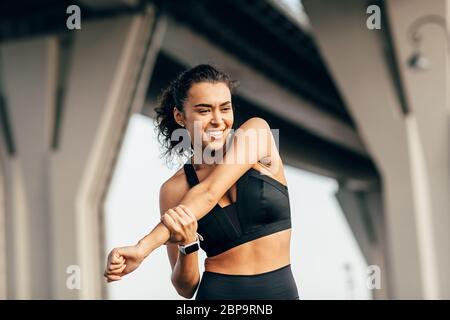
(182, 217)
(111, 278)
(113, 267)
(188, 219)
(168, 221)
(175, 220)
(116, 257)
(107, 273)
(191, 221)
(188, 212)
(172, 213)
(172, 224)
(117, 271)
(116, 264)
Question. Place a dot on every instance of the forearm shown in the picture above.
(156, 238)
(186, 275)
(198, 200)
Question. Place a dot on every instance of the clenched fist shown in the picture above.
(122, 261)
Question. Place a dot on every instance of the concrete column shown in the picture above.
(428, 133)
(108, 57)
(55, 195)
(363, 210)
(3, 271)
(357, 58)
(28, 70)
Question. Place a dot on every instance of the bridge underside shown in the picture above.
(330, 90)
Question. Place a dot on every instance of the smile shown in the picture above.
(217, 134)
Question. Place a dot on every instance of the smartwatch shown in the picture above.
(190, 247)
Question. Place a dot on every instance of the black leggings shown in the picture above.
(273, 285)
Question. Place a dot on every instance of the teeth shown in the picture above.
(216, 133)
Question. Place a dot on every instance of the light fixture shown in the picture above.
(417, 60)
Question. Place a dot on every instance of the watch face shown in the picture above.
(192, 248)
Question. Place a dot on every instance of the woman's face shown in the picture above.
(208, 110)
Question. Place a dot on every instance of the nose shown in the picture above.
(217, 117)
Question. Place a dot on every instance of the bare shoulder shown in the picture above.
(173, 190)
(177, 183)
(270, 155)
(255, 123)
(271, 163)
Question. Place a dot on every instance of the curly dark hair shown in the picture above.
(174, 96)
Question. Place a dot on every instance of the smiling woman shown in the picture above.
(237, 215)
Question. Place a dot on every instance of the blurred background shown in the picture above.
(357, 88)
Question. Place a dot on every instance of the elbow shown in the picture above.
(186, 294)
(186, 289)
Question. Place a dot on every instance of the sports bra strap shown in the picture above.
(190, 174)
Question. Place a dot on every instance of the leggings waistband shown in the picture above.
(247, 275)
(277, 284)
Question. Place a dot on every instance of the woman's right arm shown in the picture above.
(183, 225)
(201, 198)
(240, 157)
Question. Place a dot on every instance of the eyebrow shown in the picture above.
(210, 106)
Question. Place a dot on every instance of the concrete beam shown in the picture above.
(191, 48)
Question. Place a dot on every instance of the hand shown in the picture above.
(182, 225)
(122, 261)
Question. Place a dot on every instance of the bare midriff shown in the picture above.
(254, 257)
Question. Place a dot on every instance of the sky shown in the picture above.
(325, 258)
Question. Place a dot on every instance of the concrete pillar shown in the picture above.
(27, 75)
(56, 193)
(3, 271)
(428, 132)
(108, 57)
(357, 58)
(363, 210)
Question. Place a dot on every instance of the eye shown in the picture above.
(226, 109)
(203, 111)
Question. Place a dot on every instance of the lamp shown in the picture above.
(418, 60)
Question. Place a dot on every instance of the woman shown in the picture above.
(230, 198)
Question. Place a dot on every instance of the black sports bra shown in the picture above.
(261, 208)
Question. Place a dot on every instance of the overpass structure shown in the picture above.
(346, 102)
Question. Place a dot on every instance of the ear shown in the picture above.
(179, 116)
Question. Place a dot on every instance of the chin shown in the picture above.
(214, 145)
